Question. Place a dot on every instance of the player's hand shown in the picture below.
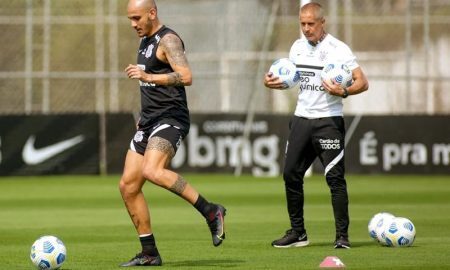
(273, 82)
(135, 72)
(333, 88)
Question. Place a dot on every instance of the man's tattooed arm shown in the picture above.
(174, 52)
(174, 78)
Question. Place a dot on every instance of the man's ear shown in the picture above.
(152, 14)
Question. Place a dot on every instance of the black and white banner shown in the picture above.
(374, 144)
(216, 144)
(49, 144)
(70, 144)
(398, 144)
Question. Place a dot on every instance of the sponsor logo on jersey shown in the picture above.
(307, 73)
(307, 79)
(311, 87)
(146, 84)
(306, 84)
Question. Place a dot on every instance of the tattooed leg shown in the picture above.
(166, 178)
(179, 186)
(162, 145)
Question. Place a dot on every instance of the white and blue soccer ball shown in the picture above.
(286, 70)
(338, 73)
(48, 253)
(377, 226)
(400, 232)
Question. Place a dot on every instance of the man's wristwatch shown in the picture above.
(345, 93)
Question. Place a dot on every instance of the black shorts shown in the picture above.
(168, 132)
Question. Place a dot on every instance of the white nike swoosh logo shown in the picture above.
(33, 156)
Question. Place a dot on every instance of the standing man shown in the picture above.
(317, 124)
(163, 71)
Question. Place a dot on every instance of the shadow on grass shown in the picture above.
(354, 244)
(206, 263)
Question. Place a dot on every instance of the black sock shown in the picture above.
(148, 245)
(203, 206)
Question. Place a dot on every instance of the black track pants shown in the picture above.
(308, 139)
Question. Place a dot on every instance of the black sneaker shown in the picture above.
(216, 224)
(143, 260)
(291, 239)
(341, 242)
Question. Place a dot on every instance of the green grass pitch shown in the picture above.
(87, 213)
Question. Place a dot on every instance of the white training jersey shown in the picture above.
(313, 101)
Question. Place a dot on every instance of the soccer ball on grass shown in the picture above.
(337, 73)
(48, 253)
(377, 224)
(400, 232)
(286, 70)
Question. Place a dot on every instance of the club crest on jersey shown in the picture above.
(323, 55)
(149, 51)
(138, 136)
